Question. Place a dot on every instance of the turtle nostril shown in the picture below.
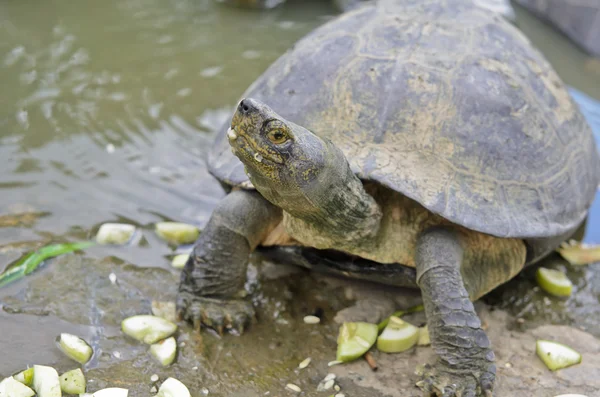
(244, 107)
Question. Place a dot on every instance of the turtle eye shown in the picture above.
(277, 136)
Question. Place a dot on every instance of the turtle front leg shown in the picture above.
(465, 365)
(213, 278)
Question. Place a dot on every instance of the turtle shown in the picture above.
(427, 135)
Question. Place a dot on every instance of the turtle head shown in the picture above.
(303, 174)
(282, 159)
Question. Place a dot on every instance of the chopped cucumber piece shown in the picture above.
(554, 282)
(115, 233)
(398, 336)
(173, 388)
(111, 392)
(10, 387)
(46, 382)
(580, 254)
(177, 233)
(419, 308)
(164, 351)
(148, 329)
(556, 355)
(73, 382)
(424, 339)
(571, 395)
(354, 340)
(74, 347)
(25, 377)
(179, 261)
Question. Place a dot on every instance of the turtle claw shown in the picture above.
(443, 381)
(218, 314)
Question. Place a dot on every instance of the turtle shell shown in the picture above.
(444, 102)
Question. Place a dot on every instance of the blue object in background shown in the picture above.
(590, 108)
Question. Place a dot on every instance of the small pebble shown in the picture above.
(194, 368)
(304, 363)
(337, 388)
(117, 354)
(154, 378)
(312, 320)
(113, 278)
(329, 377)
(292, 387)
(340, 395)
(154, 390)
(110, 148)
(508, 365)
(182, 344)
(204, 391)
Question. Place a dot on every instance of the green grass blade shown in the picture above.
(31, 261)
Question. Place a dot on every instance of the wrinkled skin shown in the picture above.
(305, 182)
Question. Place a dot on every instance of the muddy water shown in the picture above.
(106, 114)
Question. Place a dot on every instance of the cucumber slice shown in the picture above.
(571, 395)
(164, 351)
(424, 339)
(45, 381)
(179, 261)
(171, 387)
(10, 387)
(25, 377)
(554, 282)
(354, 340)
(111, 392)
(148, 329)
(115, 233)
(580, 254)
(556, 355)
(177, 233)
(398, 336)
(73, 382)
(74, 347)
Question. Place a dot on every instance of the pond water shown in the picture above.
(106, 114)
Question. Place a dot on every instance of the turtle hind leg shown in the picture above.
(465, 365)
